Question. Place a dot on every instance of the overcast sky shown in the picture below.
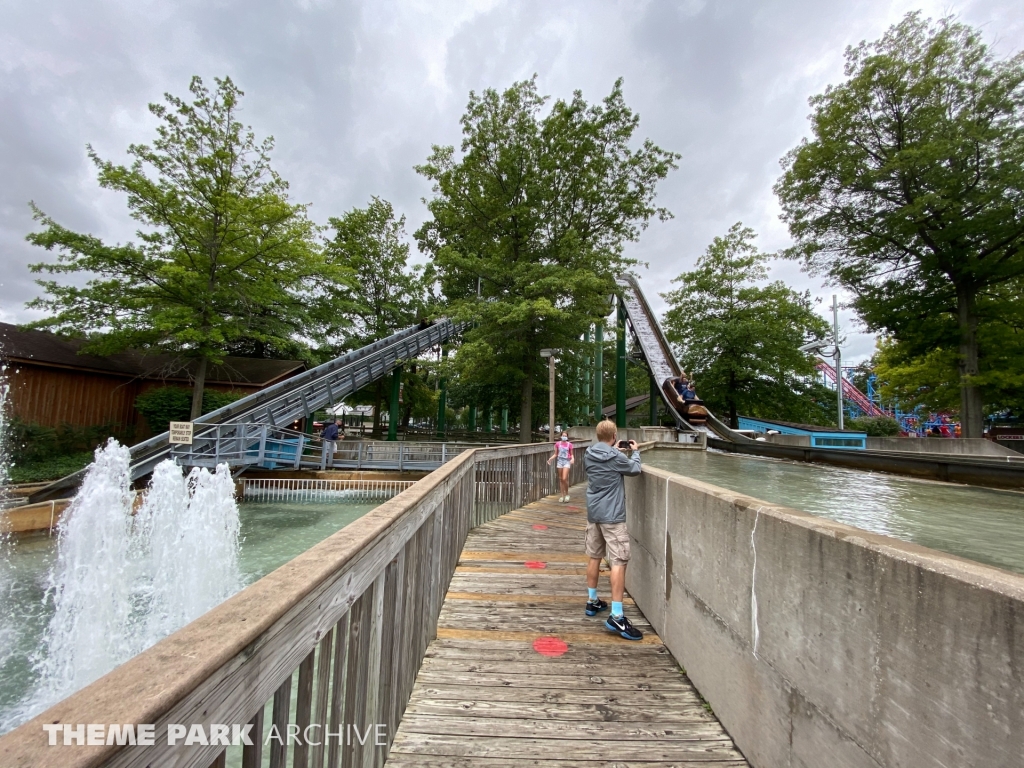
(356, 93)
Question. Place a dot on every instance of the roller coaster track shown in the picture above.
(296, 397)
(850, 392)
(659, 357)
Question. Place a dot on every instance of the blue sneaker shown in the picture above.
(621, 626)
(594, 607)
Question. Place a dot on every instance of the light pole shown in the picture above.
(817, 348)
(550, 355)
(839, 357)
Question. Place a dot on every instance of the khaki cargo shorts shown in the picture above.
(609, 540)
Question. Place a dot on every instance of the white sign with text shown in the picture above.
(181, 433)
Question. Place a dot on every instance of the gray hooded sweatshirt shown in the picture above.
(606, 491)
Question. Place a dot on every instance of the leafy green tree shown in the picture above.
(221, 256)
(162, 405)
(534, 215)
(911, 195)
(379, 293)
(738, 338)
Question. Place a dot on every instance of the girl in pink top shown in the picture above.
(563, 453)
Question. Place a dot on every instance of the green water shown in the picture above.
(272, 533)
(975, 523)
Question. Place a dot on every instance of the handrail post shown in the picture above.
(263, 445)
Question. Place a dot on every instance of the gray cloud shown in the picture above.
(355, 94)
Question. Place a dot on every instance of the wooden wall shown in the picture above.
(53, 396)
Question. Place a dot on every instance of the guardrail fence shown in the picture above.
(328, 644)
(268, 447)
(307, 489)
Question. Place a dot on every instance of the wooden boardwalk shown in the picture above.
(520, 676)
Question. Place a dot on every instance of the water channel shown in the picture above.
(975, 523)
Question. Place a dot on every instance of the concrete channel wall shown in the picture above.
(945, 446)
(961, 446)
(818, 644)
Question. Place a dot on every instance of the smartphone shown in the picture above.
(623, 443)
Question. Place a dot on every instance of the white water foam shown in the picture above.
(192, 529)
(121, 582)
(7, 628)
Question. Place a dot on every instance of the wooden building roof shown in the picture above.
(50, 350)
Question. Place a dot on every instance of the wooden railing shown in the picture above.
(329, 642)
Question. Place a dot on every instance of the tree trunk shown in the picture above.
(734, 420)
(971, 417)
(526, 411)
(198, 386)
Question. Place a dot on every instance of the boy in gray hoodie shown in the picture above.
(607, 536)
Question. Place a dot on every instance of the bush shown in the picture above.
(54, 468)
(31, 443)
(163, 405)
(875, 426)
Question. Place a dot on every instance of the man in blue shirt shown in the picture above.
(331, 435)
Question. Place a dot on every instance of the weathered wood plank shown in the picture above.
(304, 709)
(485, 697)
(279, 718)
(605, 681)
(338, 677)
(496, 746)
(592, 714)
(481, 650)
(583, 638)
(670, 697)
(621, 667)
(407, 760)
(543, 728)
(575, 598)
(323, 685)
(252, 754)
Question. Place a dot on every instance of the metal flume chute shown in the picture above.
(288, 400)
(660, 360)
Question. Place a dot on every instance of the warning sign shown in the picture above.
(181, 433)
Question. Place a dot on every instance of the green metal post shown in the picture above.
(504, 419)
(586, 379)
(654, 402)
(599, 371)
(442, 401)
(472, 418)
(620, 368)
(396, 390)
(487, 419)
(442, 407)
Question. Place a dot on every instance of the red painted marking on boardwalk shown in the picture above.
(539, 527)
(535, 564)
(550, 646)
